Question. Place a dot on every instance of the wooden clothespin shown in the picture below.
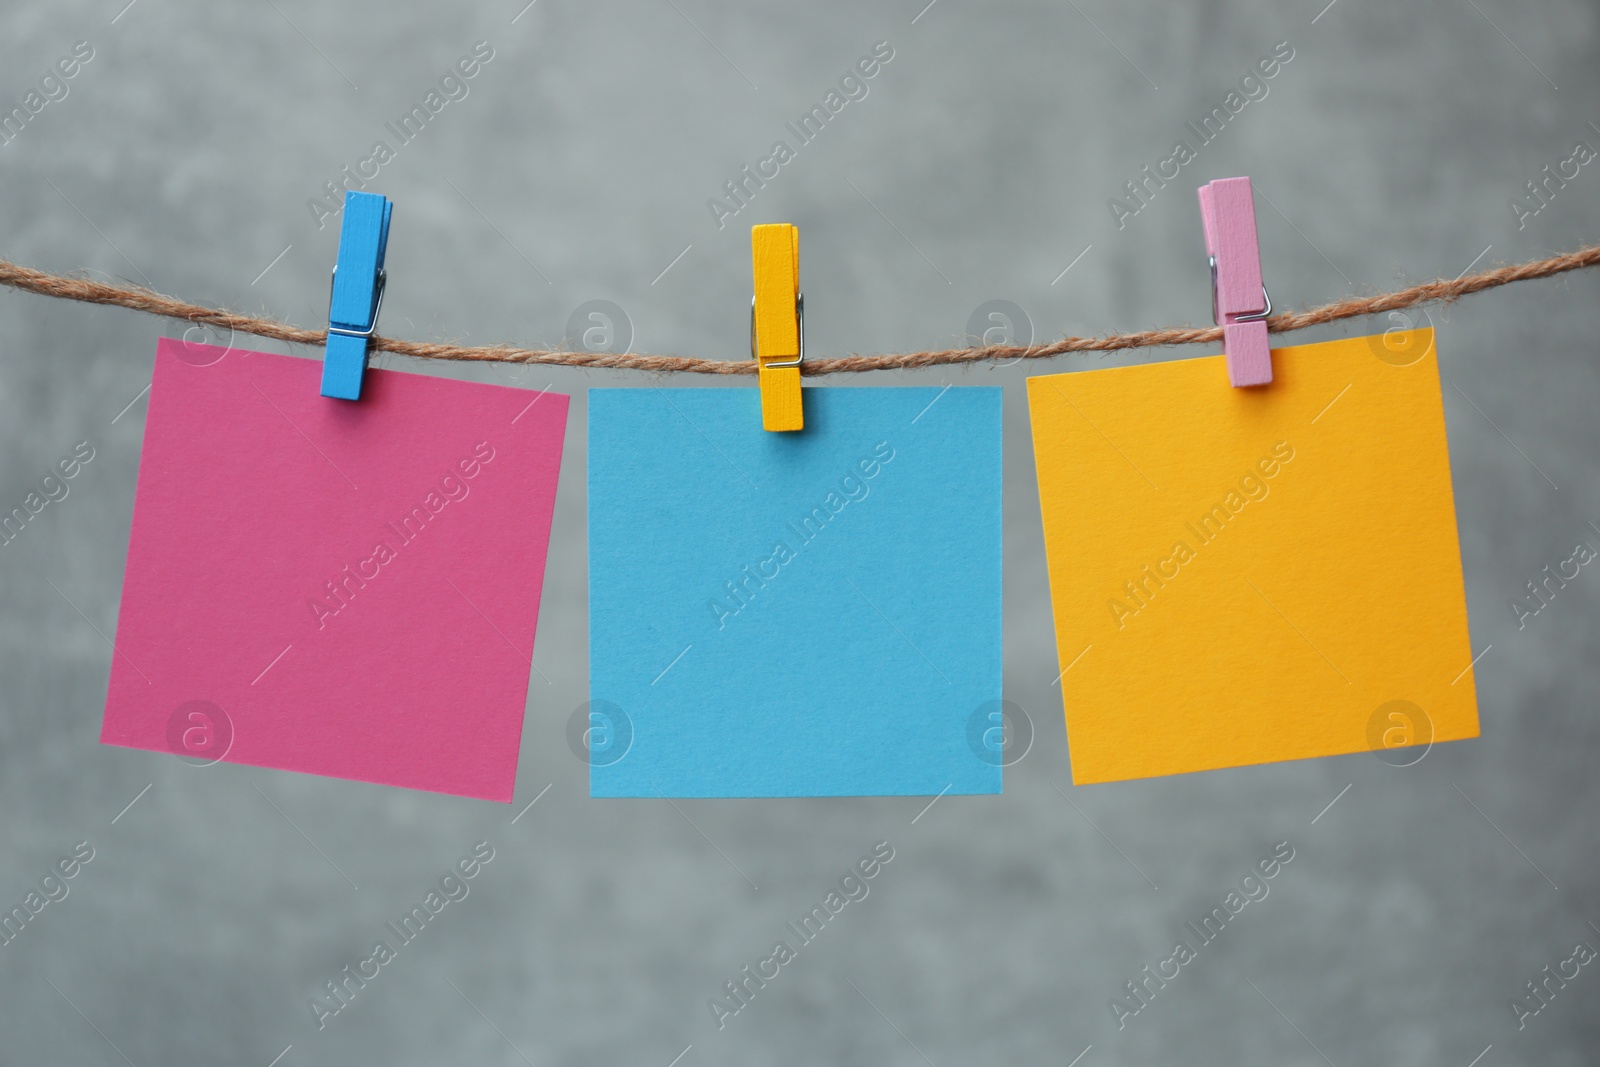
(777, 324)
(1239, 300)
(356, 293)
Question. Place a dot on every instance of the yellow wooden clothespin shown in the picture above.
(777, 324)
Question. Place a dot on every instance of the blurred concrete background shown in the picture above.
(978, 167)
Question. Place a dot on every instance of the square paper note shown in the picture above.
(341, 588)
(793, 614)
(1248, 575)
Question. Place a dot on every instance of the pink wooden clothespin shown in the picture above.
(1239, 301)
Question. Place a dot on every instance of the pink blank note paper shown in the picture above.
(334, 587)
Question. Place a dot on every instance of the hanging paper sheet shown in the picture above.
(804, 614)
(346, 589)
(1247, 575)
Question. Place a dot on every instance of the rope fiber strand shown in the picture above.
(136, 298)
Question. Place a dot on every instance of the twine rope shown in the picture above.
(138, 298)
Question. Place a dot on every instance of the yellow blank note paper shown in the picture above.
(1247, 575)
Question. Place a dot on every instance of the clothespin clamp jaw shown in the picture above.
(1240, 303)
(356, 297)
(777, 324)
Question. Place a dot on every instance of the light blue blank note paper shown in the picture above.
(794, 614)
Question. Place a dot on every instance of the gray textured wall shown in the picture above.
(978, 167)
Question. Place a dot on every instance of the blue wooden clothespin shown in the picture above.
(357, 292)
